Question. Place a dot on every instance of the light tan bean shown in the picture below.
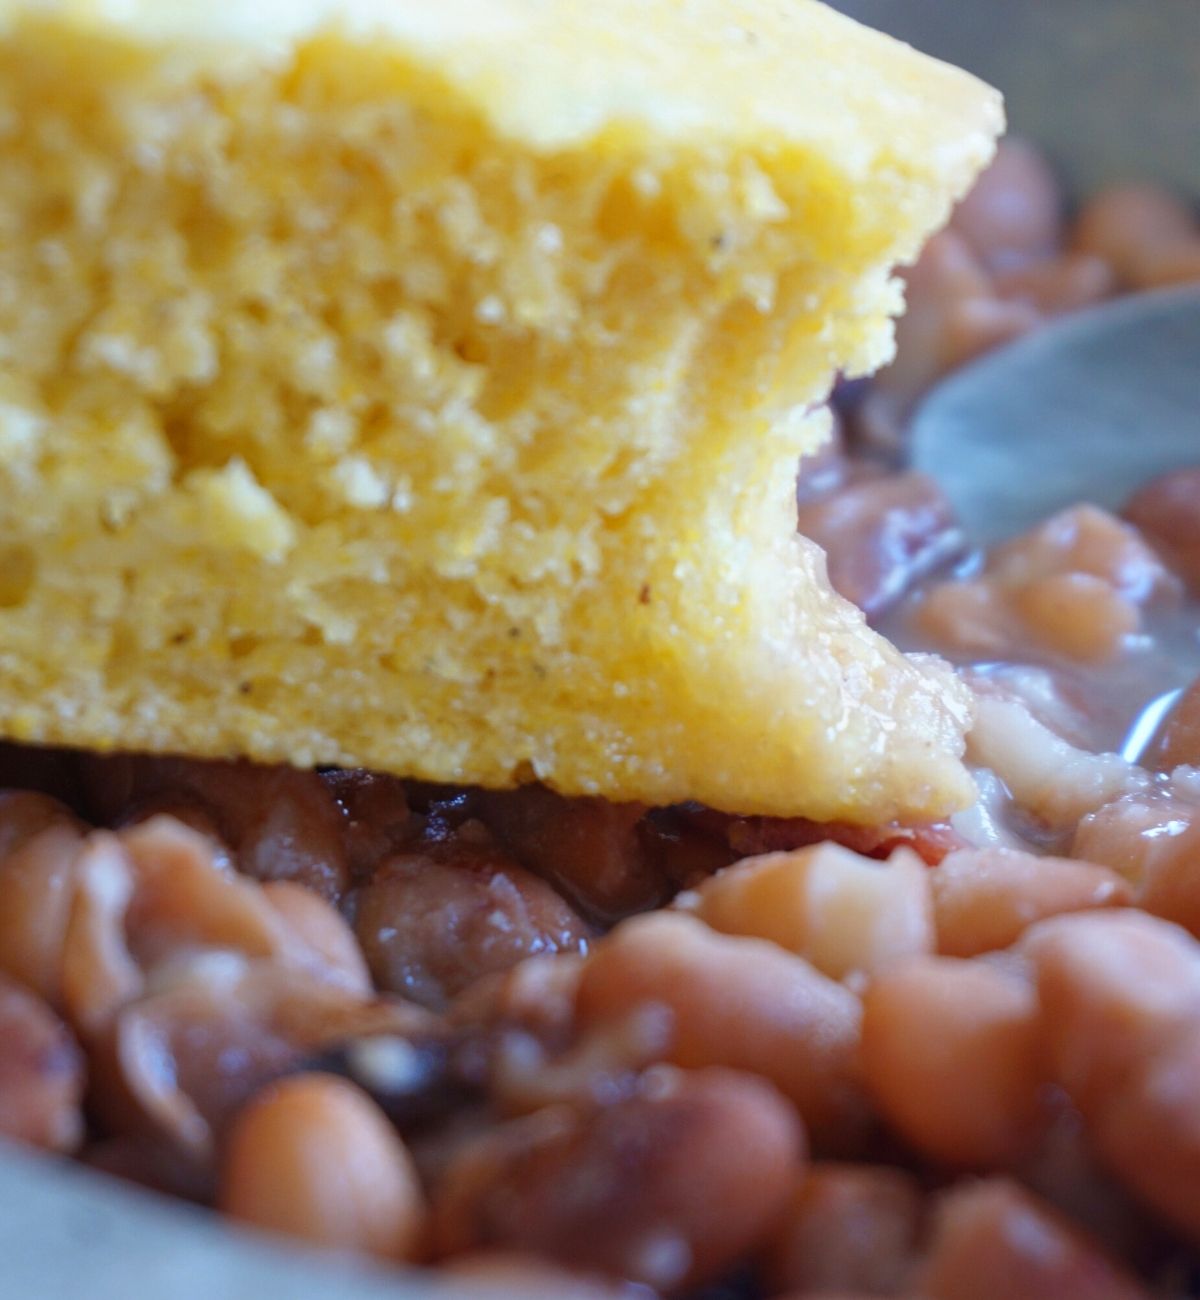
(313, 1157)
(668, 1187)
(1115, 987)
(984, 899)
(1170, 263)
(37, 884)
(950, 1054)
(41, 1073)
(843, 912)
(736, 1002)
(320, 934)
(1125, 224)
(994, 1241)
(1121, 993)
(1077, 615)
(848, 1228)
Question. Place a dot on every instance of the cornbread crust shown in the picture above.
(420, 387)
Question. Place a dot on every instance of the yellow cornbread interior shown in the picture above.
(422, 387)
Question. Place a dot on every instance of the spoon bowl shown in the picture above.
(1087, 409)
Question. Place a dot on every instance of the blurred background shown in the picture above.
(1110, 87)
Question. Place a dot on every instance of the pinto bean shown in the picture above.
(983, 899)
(1121, 999)
(848, 1228)
(994, 1241)
(1127, 225)
(41, 1073)
(37, 884)
(668, 1187)
(313, 1157)
(843, 912)
(950, 1053)
(1166, 511)
(590, 849)
(319, 932)
(736, 1002)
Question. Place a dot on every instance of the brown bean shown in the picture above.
(37, 884)
(669, 1186)
(950, 1053)
(41, 1074)
(1167, 264)
(994, 1241)
(741, 1003)
(1125, 224)
(530, 1278)
(432, 922)
(281, 822)
(24, 814)
(313, 1157)
(984, 899)
(843, 912)
(591, 849)
(1014, 211)
(1177, 740)
(848, 1228)
(1166, 511)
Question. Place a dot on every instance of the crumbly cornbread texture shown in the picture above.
(420, 386)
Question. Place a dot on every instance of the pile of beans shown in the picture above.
(588, 1049)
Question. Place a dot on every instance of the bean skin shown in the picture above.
(668, 1187)
(950, 1053)
(741, 1003)
(41, 1074)
(312, 1157)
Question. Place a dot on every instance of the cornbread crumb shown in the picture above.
(363, 364)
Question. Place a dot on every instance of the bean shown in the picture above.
(1059, 284)
(1014, 211)
(848, 1228)
(983, 899)
(1083, 540)
(1125, 224)
(843, 912)
(24, 814)
(668, 1187)
(1139, 833)
(1114, 987)
(531, 1279)
(736, 1002)
(1178, 739)
(950, 1054)
(1121, 994)
(1077, 615)
(994, 1241)
(41, 1074)
(37, 883)
(880, 535)
(1166, 511)
(320, 933)
(432, 922)
(591, 849)
(312, 1157)
(282, 823)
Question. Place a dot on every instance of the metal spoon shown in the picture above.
(1087, 409)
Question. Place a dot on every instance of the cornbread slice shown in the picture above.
(421, 385)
